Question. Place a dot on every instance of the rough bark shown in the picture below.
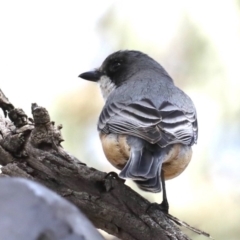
(31, 148)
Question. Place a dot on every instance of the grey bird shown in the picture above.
(147, 125)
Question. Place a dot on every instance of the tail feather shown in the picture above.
(144, 165)
(152, 184)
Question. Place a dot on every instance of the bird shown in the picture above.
(148, 125)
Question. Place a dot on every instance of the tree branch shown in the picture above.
(32, 149)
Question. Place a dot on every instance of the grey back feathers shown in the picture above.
(152, 108)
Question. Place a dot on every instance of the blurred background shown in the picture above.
(45, 45)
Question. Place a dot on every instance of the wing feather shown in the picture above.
(165, 125)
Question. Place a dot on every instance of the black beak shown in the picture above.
(93, 76)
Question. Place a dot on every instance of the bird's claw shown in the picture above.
(163, 207)
(114, 175)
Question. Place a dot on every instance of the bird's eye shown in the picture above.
(114, 66)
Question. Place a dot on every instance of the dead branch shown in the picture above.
(31, 148)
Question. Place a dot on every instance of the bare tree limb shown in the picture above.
(32, 149)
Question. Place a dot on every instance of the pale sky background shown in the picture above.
(45, 45)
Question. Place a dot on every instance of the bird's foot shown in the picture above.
(114, 175)
(163, 207)
(108, 183)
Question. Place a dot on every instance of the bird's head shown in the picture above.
(118, 68)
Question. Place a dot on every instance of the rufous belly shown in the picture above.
(176, 161)
(117, 151)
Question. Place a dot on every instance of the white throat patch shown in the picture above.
(106, 86)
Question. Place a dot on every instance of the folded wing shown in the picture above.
(167, 124)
